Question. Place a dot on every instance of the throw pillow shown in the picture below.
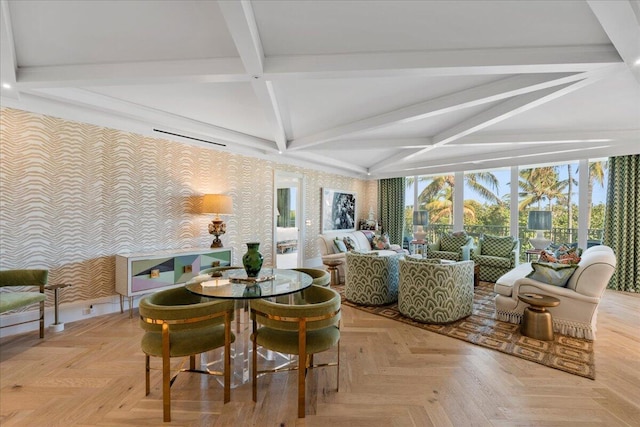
(547, 257)
(452, 242)
(340, 245)
(380, 242)
(568, 255)
(498, 246)
(349, 243)
(552, 273)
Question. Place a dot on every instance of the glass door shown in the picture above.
(288, 218)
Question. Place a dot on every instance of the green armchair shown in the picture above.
(372, 279)
(451, 246)
(496, 255)
(18, 299)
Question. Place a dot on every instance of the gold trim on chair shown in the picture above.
(183, 306)
(325, 297)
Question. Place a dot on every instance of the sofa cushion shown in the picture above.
(498, 246)
(552, 273)
(349, 243)
(381, 242)
(451, 242)
(340, 245)
(504, 284)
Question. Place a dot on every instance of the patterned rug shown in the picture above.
(572, 355)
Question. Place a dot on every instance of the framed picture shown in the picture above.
(338, 210)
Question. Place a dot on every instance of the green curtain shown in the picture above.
(283, 207)
(391, 207)
(621, 226)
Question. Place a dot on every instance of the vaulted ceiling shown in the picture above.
(363, 88)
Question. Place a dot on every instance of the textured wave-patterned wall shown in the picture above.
(72, 195)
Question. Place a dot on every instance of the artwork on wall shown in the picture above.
(338, 210)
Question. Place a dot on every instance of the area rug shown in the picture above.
(565, 353)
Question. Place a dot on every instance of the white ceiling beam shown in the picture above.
(546, 59)
(374, 144)
(490, 92)
(620, 21)
(8, 68)
(133, 73)
(547, 137)
(243, 28)
(154, 117)
(496, 114)
(328, 161)
(502, 160)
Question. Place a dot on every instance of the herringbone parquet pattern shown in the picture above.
(392, 374)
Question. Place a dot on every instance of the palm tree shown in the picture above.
(540, 184)
(596, 174)
(437, 196)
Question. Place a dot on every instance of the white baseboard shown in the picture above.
(67, 313)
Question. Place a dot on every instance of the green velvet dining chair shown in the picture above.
(320, 277)
(178, 323)
(311, 325)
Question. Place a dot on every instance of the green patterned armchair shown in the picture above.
(452, 246)
(432, 292)
(371, 279)
(496, 255)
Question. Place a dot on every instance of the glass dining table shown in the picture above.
(234, 284)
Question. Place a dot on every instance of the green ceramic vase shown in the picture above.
(252, 260)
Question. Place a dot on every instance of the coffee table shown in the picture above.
(536, 320)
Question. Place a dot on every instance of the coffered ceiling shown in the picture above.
(363, 88)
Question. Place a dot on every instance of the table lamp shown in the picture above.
(420, 220)
(539, 221)
(219, 204)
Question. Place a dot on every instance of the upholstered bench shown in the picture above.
(18, 299)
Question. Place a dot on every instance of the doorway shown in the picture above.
(288, 219)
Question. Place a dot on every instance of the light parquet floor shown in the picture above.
(392, 374)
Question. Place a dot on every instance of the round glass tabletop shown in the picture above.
(234, 284)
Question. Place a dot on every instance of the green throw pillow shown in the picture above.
(340, 245)
(552, 273)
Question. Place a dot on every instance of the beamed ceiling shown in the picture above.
(362, 88)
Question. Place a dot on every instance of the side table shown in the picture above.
(532, 252)
(536, 320)
(419, 247)
(57, 325)
(332, 266)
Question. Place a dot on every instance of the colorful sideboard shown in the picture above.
(142, 273)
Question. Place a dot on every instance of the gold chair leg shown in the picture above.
(166, 374)
(338, 369)
(41, 319)
(192, 362)
(302, 367)
(147, 368)
(227, 357)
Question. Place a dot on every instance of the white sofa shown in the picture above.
(577, 312)
(328, 249)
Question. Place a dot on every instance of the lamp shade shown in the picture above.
(421, 218)
(218, 204)
(539, 220)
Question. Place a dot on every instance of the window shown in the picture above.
(486, 202)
